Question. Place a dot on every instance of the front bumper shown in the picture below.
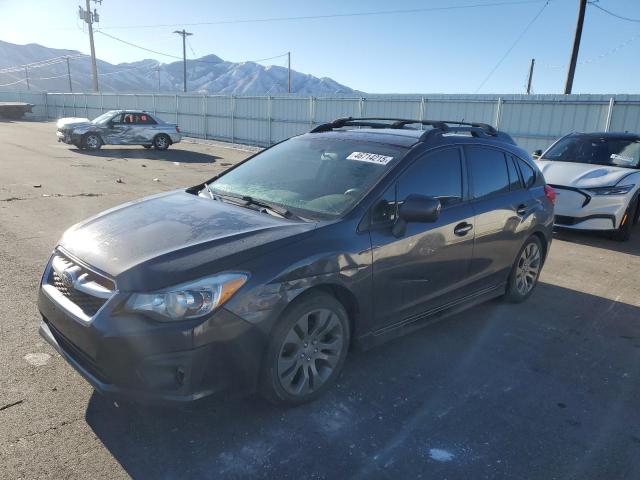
(132, 357)
(64, 137)
(577, 209)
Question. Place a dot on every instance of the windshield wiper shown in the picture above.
(248, 200)
(279, 209)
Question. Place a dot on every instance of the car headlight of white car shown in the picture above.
(615, 190)
(188, 300)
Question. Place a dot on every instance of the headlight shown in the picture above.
(189, 300)
(616, 190)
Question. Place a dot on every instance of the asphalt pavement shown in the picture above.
(548, 389)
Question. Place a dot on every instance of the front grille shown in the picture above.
(87, 303)
(88, 290)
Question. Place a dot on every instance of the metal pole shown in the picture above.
(533, 62)
(94, 67)
(498, 112)
(184, 60)
(576, 47)
(289, 70)
(69, 75)
(26, 75)
(184, 34)
(612, 102)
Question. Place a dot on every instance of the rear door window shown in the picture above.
(489, 174)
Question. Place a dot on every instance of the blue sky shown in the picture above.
(449, 51)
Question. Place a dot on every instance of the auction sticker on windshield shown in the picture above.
(370, 157)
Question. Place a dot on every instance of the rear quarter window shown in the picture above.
(528, 174)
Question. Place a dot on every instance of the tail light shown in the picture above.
(550, 193)
(177, 129)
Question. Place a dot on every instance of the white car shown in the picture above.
(596, 177)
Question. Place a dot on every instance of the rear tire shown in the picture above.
(525, 271)
(161, 142)
(92, 141)
(307, 350)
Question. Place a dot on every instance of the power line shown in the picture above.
(14, 83)
(140, 47)
(599, 57)
(635, 20)
(513, 45)
(331, 15)
(316, 17)
(176, 56)
(41, 64)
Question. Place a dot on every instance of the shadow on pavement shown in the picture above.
(601, 240)
(544, 389)
(172, 154)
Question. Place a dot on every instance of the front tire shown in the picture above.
(147, 147)
(307, 350)
(525, 271)
(161, 142)
(92, 141)
(623, 233)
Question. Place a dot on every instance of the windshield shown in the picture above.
(617, 152)
(313, 176)
(104, 118)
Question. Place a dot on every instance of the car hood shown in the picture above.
(175, 237)
(581, 175)
(72, 122)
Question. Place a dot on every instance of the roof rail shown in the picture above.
(376, 122)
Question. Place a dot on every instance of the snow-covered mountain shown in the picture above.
(209, 74)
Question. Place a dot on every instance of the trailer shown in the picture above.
(14, 110)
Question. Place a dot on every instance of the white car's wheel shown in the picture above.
(161, 142)
(623, 232)
(92, 141)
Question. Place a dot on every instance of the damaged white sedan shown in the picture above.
(596, 177)
(118, 127)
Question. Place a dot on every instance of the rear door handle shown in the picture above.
(462, 229)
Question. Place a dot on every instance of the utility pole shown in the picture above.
(533, 62)
(576, 46)
(89, 18)
(289, 69)
(69, 75)
(184, 34)
(26, 75)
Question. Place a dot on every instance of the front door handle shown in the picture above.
(522, 210)
(462, 229)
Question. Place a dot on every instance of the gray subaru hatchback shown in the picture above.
(264, 277)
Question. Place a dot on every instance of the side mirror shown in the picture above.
(418, 209)
(536, 153)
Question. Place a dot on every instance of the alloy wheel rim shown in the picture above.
(310, 352)
(528, 269)
(161, 142)
(92, 141)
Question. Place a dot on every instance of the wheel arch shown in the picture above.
(543, 241)
(341, 293)
(164, 134)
